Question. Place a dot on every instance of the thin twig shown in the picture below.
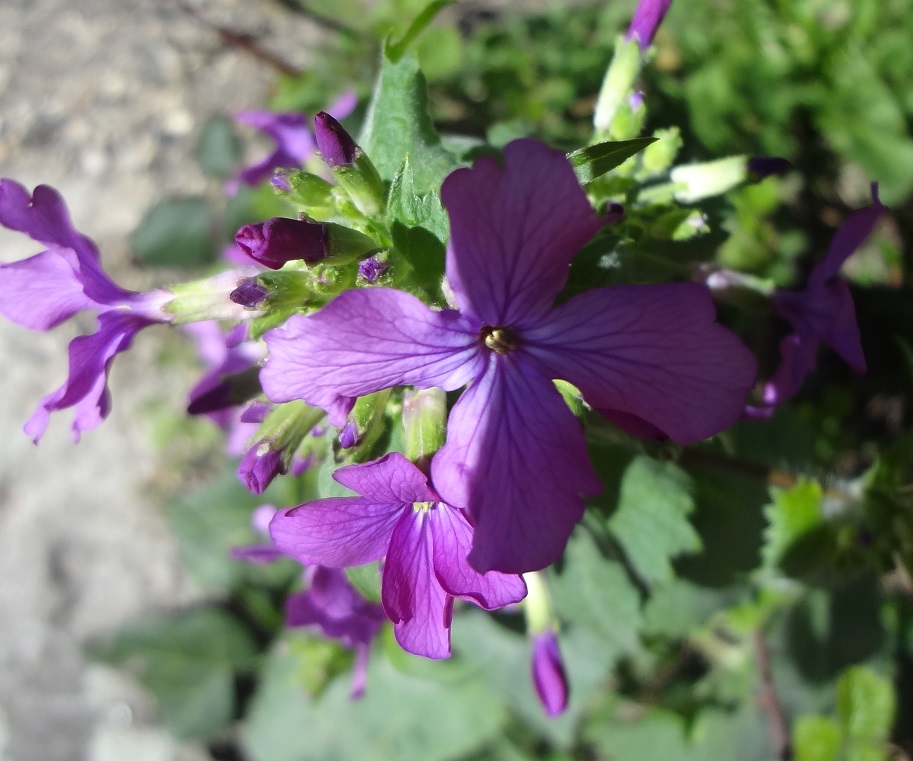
(769, 701)
(242, 41)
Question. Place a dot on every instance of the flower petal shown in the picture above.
(86, 387)
(294, 143)
(452, 542)
(517, 462)
(392, 478)
(43, 216)
(414, 601)
(337, 531)
(849, 236)
(825, 314)
(514, 231)
(363, 341)
(41, 292)
(652, 351)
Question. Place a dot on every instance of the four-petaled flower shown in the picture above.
(46, 289)
(292, 138)
(822, 313)
(649, 357)
(399, 517)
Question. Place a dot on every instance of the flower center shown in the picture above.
(422, 507)
(501, 340)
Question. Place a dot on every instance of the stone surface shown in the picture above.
(102, 99)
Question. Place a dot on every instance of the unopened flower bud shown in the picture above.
(335, 144)
(350, 165)
(425, 421)
(280, 240)
(711, 178)
(647, 17)
(761, 167)
(549, 676)
(372, 268)
(311, 193)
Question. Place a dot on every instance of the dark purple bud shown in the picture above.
(336, 145)
(760, 167)
(260, 465)
(224, 391)
(348, 436)
(647, 18)
(280, 240)
(549, 676)
(249, 293)
(371, 269)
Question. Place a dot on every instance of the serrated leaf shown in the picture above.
(596, 160)
(402, 717)
(792, 513)
(595, 593)
(651, 521)
(175, 233)
(219, 149)
(188, 662)
(397, 125)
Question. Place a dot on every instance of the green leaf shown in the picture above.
(402, 717)
(208, 523)
(219, 150)
(175, 233)
(397, 125)
(651, 521)
(865, 704)
(501, 659)
(596, 160)
(816, 738)
(188, 663)
(595, 593)
(395, 50)
(792, 513)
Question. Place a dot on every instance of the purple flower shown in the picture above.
(293, 141)
(424, 540)
(265, 552)
(822, 313)
(647, 18)
(260, 465)
(46, 289)
(280, 240)
(515, 458)
(333, 605)
(548, 673)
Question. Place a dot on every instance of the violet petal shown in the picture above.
(513, 232)
(363, 341)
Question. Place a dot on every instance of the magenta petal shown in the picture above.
(392, 478)
(86, 387)
(652, 351)
(41, 292)
(363, 341)
(413, 599)
(43, 216)
(516, 460)
(549, 676)
(825, 313)
(849, 236)
(452, 542)
(337, 531)
(514, 231)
